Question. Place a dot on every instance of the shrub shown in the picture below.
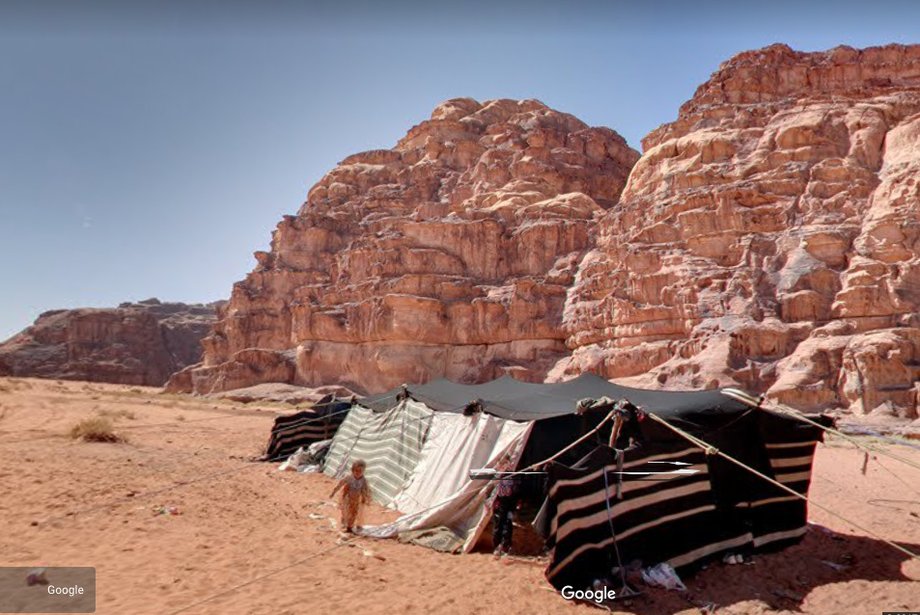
(95, 429)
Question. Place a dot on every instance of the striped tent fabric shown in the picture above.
(390, 442)
(304, 428)
(670, 519)
(440, 493)
(684, 520)
(780, 517)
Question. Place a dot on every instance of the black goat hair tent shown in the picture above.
(304, 428)
(598, 518)
(601, 519)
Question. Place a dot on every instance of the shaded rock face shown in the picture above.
(769, 238)
(449, 255)
(135, 343)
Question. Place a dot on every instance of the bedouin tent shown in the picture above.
(420, 441)
(302, 429)
(602, 516)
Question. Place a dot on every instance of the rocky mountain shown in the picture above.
(136, 343)
(450, 254)
(769, 238)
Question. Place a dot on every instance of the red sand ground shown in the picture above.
(73, 503)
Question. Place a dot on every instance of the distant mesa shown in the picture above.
(136, 343)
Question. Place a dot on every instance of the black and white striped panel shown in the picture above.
(780, 518)
(660, 518)
(301, 429)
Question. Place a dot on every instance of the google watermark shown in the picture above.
(598, 596)
(50, 589)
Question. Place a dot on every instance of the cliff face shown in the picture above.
(135, 343)
(448, 255)
(769, 238)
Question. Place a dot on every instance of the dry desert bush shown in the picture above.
(95, 429)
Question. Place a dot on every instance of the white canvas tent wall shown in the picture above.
(418, 462)
(439, 493)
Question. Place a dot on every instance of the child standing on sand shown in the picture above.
(355, 493)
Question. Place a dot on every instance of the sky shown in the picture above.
(148, 149)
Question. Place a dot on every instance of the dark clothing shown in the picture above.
(507, 497)
(503, 522)
(507, 488)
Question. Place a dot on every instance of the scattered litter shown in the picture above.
(293, 463)
(733, 558)
(36, 577)
(170, 511)
(369, 553)
(663, 575)
(316, 516)
(835, 566)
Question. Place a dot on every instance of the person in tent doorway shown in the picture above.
(507, 501)
(355, 494)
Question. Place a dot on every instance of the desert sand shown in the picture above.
(250, 539)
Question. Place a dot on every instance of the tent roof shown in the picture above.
(526, 401)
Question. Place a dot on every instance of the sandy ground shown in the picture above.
(250, 539)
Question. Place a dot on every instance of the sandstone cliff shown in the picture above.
(450, 254)
(135, 343)
(769, 238)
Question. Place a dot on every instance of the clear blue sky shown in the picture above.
(147, 149)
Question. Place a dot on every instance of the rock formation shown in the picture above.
(448, 255)
(769, 238)
(135, 343)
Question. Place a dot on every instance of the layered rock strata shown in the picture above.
(769, 238)
(449, 255)
(136, 343)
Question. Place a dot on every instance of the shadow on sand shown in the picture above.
(782, 581)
